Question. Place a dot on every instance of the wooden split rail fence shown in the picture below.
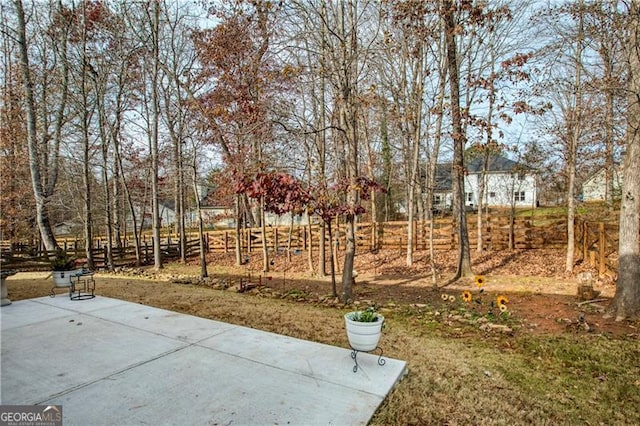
(528, 233)
(596, 242)
(597, 245)
(26, 257)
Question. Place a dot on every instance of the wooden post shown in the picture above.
(602, 248)
(372, 243)
(585, 240)
(304, 239)
(226, 242)
(275, 240)
(453, 234)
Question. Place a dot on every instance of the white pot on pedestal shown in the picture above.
(363, 336)
(63, 278)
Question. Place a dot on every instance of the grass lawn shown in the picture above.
(458, 373)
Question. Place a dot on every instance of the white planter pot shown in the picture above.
(363, 336)
(63, 278)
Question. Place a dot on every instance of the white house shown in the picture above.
(224, 217)
(507, 183)
(593, 189)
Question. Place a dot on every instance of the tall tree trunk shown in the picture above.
(348, 116)
(153, 137)
(433, 157)
(40, 193)
(310, 242)
(417, 93)
(127, 195)
(321, 141)
(179, 197)
(332, 254)
(263, 229)
(86, 180)
(387, 165)
(415, 166)
(626, 302)
(459, 139)
(175, 126)
(485, 157)
(104, 140)
(238, 236)
(322, 250)
(482, 180)
(85, 111)
(574, 136)
(609, 129)
(201, 240)
(117, 208)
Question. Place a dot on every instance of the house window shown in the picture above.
(520, 176)
(469, 197)
(437, 199)
(518, 196)
(492, 194)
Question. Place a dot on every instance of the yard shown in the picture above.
(546, 360)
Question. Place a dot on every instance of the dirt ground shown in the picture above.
(541, 297)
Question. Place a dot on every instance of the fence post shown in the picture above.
(275, 240)
(602, 266)
(453, 234)
(585, 240)
(304, 238)
(372, 239)
(226, 243)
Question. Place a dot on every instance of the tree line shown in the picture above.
(111, 110)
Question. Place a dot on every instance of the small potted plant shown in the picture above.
(364, 329)
(63, 269)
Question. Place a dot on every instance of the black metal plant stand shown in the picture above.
(82, 287)
(354, 356)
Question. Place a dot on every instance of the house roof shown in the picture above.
(443, 177)
(495, 164)
(617, 170)
(168, 204)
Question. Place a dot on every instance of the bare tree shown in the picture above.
(154, 82)
(408, 69)
(459, 139)
(44, 142)
(178, 59)
(626, 302)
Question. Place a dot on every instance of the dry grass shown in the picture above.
(456, 376)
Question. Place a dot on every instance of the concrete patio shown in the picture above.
(107, 361)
